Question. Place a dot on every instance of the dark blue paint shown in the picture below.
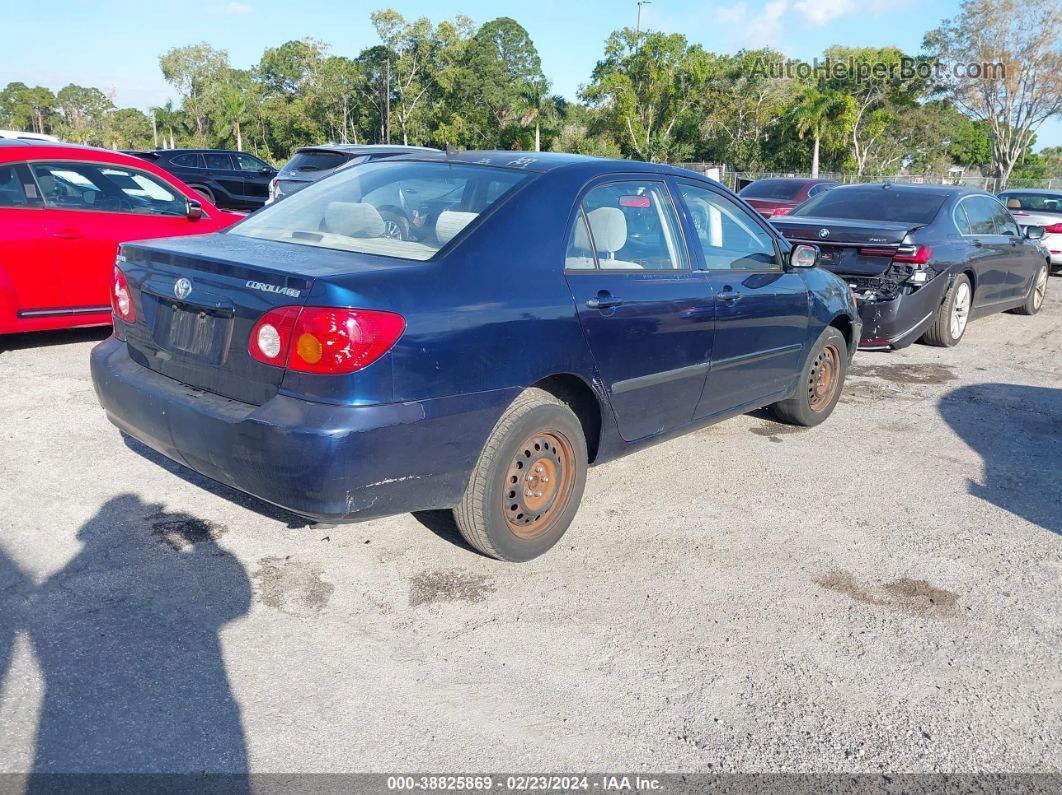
(492, 314)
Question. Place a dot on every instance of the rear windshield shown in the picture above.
(874, 204)
(315, 161)
(1036, 202)
(398, 209)
(771, 189)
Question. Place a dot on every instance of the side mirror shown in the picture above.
(804, 256)
(195, 210)
(1034, 232)
(268, 170)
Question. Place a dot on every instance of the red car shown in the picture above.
(63, 211)
(773, 197)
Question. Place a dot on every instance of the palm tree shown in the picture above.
(814, 112)
(167, 119)
(234, 110)
(536, 102)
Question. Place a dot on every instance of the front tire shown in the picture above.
(821, 382)
(526, 486)
(953, 315)
(1035, 299)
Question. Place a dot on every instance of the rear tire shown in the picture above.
(526, 486)
(821, 382)
(1035, 299)
(206, 193)
(953, 316)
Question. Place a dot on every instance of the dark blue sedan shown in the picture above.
(537, 314)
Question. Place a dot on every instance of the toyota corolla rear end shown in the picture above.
(269, 366)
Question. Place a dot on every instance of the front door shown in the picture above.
(648, 317)
(22, 264)
(256, 177)
(991, 251)
(228, 177)
(761, 309)
(89, 209)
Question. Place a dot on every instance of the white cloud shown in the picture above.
(819, 12)
(765, 29)
(732, 14)
(237, 9)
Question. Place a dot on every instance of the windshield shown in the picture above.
(1036, 202)
(398, 209)
(772, 189)
(874, 203)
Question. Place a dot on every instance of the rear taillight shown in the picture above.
(1054, 229)
(122, 298)
(324, 340)
(913, 255)
(780, 211)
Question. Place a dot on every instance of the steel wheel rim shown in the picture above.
(1041, 288)
(960, 310)
(825, 378)
(538, 483)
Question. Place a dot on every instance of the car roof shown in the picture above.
(542, 162)
(791, 179)
(357, 148)
(1037, 191)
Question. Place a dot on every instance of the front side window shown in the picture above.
(248, 163)
(106, 188)
(1005, 223)
(730, 237)
(633, 226)
(399, 209)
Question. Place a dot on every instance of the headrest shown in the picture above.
(609, 226)
(450, 223)
(354, 219)
(1013, 204)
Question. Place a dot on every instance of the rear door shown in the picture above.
(648, 317)
(89, 209)
(992, 251)
(222, 171)
(761, 310)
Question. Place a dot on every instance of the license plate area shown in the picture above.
(196, 331)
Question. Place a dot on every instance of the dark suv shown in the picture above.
(311, 163)
(232, 180)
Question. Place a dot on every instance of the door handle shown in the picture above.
(67, 234)
(977, 244)
(604, 300)
(728, 294)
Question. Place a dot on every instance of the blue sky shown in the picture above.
(115, 44)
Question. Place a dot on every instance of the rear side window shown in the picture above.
(315, 161)
(217, 161)
(632, 226)
(981, 213)
(894, 205)
(106, 188)
(771, 189)
(186, 161)
(12, 191)
(407, 210)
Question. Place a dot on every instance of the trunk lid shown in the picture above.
(198, 298)
(859, 248)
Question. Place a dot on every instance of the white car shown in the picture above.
(1033, 207)
(27, 136)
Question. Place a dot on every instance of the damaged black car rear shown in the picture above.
(922, 260)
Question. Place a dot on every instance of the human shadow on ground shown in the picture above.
(1017, 431)
(127, 639)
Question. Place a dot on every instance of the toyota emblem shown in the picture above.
(182, 288)
(824, 233)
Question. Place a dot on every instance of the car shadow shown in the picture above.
(1017, 431)
(261, 507)
(45, 339)
(126, 637)
(441, 522)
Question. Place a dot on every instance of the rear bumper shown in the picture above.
(325, 462)
(901, 321)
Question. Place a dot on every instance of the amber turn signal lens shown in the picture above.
(309, 348)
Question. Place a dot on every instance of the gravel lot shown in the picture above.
(879, 593)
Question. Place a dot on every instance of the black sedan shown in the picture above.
(922, 260)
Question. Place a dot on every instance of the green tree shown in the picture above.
(814, 113)
(83, 111)
(197, 72)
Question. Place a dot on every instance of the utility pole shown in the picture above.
(641, 3)
(387, 105)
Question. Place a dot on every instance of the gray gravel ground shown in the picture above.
(879, 593)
